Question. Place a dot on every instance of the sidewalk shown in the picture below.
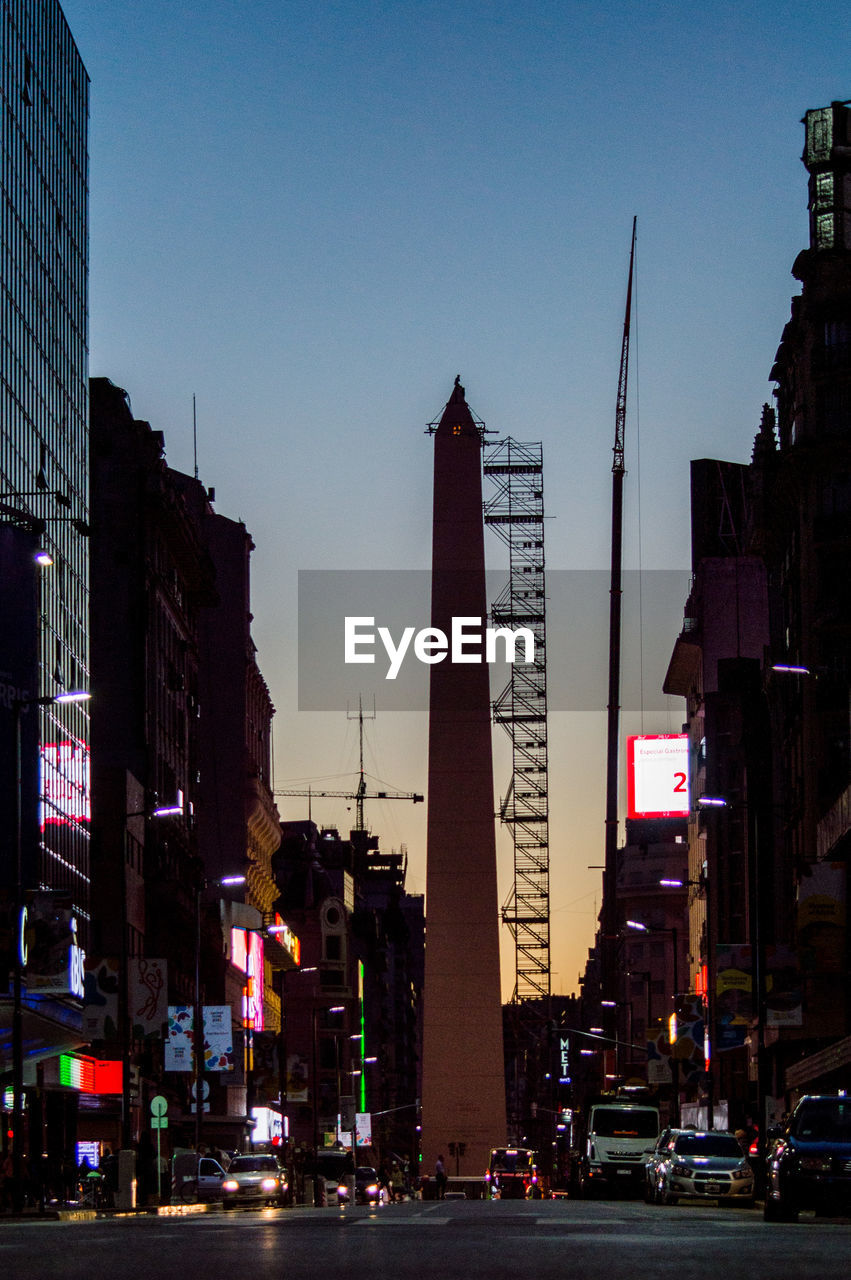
(83, 1213)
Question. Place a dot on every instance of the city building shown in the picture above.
(43, 508)
(803, 530)
(714, 662)
(762, 661)
(181, 788)
(351, 1014)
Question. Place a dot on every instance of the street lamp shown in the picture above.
(708, 994)
(124, 1016)
(19, 705)
(198, 1013)
(675, 1064)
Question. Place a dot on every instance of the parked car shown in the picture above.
(809, 1166)
(367, 1190)
(197, 1177)
(254, 1180)
(701, 1165)
(651, 1166)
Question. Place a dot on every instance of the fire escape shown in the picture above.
(516, 512)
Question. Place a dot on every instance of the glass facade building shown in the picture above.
(44, 406)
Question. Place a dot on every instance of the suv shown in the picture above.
(810, 1164)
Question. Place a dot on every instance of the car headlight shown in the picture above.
(744, 1170)
(342, 1190)
(230, 1185)
(269, 1184)
(372, 1189)
(683, 1170)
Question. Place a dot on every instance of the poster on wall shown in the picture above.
(100, 1010)
(148, 996)
(297, 1077)
(267, 1078)
(733, 994)
(218, 1038)
(179, 1039)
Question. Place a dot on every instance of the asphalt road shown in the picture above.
(453, 1240)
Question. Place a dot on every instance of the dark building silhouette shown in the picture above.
(182, 721)
(763, 663)
(351, 1014)
(44, 506)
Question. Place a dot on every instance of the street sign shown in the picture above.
(159, 1122)
(205, 1094)
(159, 1106)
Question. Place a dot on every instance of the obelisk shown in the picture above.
(463, 1090)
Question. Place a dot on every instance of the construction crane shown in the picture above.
(358, 796)
(609, 912)
(361, 793)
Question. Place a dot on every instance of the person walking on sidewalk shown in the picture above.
(440, 1178)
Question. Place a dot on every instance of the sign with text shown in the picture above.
(657, 775)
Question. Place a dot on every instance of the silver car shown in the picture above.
(701, 1165)
(664, 1143)
(254, 1180)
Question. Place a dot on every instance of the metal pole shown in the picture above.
(710, 1007)
(675, 1062)
(124, 1003)
(315, 1083)
(198, 1021)
(17, 991)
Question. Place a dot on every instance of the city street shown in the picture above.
(452, 1240)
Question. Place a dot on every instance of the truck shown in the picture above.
(611, 1141)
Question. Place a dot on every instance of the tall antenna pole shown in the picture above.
(610, 916)
(195, 435)
(360, 794)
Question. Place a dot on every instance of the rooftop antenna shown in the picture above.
(195, 435)
(361, 791)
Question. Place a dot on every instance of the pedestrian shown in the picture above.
(440, 1177)
(7, 1174)
(397, 1182)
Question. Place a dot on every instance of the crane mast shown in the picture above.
(609, 913)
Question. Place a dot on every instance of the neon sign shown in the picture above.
(247, 956)
(65, 790)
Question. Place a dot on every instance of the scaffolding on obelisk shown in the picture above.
(463, 1091)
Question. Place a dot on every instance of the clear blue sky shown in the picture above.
(313, 215)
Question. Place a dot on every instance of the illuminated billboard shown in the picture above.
(247, 955)
(657, 775)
